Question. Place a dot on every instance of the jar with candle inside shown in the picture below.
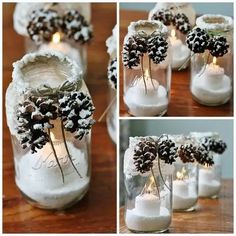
(185, 177)
(212, 62)
(63, 27)
(148, 184)
(111, 109)
(147, 72)
(179, 18)
(210, 171)
(49, 114)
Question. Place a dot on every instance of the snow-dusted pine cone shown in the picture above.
(133, 49)
(167, 151)
(33, 118)
(181, 23)
(204, 157)
(76, 27)
(145, 153)
(218, 46)
(112, 73)
(217, 146)
(197, 40)
(188, 153)
(43, 24)
(163, 15)
(157, 49)
(76, 110)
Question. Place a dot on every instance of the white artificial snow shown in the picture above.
(111, 43)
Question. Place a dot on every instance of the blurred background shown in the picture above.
(158, 127)
(200, 8)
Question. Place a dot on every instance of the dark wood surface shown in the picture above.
(181, 103)
(211, 215)
(96, 213)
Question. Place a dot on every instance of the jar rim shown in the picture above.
(212, 22)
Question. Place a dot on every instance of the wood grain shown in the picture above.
(181, 102)
(96, 213)
(211, 215)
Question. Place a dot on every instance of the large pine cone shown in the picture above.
(204, 157)
(112, 73)
(187, 153)
(216, 146)
(163, 15)
(76, 109)
(167, 151)
(133, 49)
(43, 24)
(33, 117)
(76, 27)
(197, 40)
(144, 154)
(218, 46)
(181, 23)
(157, 49)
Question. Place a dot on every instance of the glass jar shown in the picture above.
(147, 85)
(59, 42)
(56, 173)
(180, 52)
(148, 198)
(209, 176)
(211, 77)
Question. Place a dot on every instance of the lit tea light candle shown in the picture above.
(148, 214)
(211, 85)
(180, 52)
(146, 99)
(184, 196)
(62, 47)
(208, 185)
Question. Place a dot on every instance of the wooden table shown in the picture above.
(181, 103)
(96, 213)
(211, 215)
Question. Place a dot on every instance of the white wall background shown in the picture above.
(200, 8)
(158, 127)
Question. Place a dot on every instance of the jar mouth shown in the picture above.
(215, 22)
(44, 68)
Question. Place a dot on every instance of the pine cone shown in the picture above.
(132, 50)
(203, 156)
(157, 49)
(144, 154)
(218, 46)
(217, 146)
(188, 153)
(76, 109)
(112, 73)
(33, 117)
(75, 26)
(43, 24)
(163, 15)
(197, 40)
(167, 151)
(181, 23)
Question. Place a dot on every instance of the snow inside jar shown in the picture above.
(49, 114)
(147, 71)
(212, 59)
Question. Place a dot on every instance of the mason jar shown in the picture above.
(211, 77)
(59, 41)
(146, 84)
(148, 196)
(55, 172)
(180, 52)
(209, 176)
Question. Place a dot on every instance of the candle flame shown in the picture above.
(214, 60)
(56, 38)
(172, 33)
(180, 175)
(149, 187)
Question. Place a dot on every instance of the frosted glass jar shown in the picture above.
(57, 175)
(147, 85)
(180, 52)
(209, 176)
(59, 42)
(211, 77)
